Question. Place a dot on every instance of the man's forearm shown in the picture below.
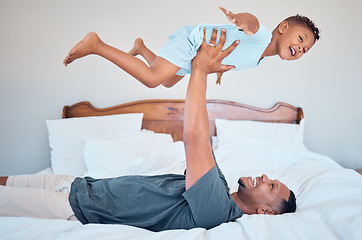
(196, 123)
(198, 151)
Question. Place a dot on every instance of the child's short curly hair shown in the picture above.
(299, 19)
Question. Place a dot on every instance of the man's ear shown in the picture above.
(265, 210)
(283, 27)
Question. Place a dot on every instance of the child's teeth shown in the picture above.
(293, 51)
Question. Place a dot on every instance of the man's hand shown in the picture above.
(243, 21)
(209, 56)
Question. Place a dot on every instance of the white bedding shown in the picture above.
(329, 201)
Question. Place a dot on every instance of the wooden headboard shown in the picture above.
(166, 116)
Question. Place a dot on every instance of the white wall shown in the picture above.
(34, 85)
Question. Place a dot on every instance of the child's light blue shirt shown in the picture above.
(183, 45)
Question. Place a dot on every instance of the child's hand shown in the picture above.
(243, 21)
(218, 78)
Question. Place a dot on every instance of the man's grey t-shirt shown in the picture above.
(154, 202)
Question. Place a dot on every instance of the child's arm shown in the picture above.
(243, 21)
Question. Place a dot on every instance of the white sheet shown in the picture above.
(329, 202)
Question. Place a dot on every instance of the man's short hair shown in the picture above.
(290, 205)
(299, 19)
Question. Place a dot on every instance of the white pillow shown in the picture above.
(65, 138)
(131, 153)
(235, 130)
(254, 158)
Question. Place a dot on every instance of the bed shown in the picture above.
(145, 137)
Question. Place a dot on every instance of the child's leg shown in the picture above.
(160, 70)
(139, 48)
(172, 81)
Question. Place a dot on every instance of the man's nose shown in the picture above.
(265, 178)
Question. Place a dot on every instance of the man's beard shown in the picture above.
(241, 183)
(242, 188)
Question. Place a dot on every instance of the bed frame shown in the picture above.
(166, 116)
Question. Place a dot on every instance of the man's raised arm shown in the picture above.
(199, 158)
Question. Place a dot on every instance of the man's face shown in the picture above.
(261, 191)
(295, 41)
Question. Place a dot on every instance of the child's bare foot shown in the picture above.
(86, 46)
(137, 48)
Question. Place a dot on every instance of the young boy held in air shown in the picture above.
(292, 38)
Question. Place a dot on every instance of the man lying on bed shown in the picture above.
(200, 198)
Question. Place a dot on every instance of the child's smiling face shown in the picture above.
(295, 40)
